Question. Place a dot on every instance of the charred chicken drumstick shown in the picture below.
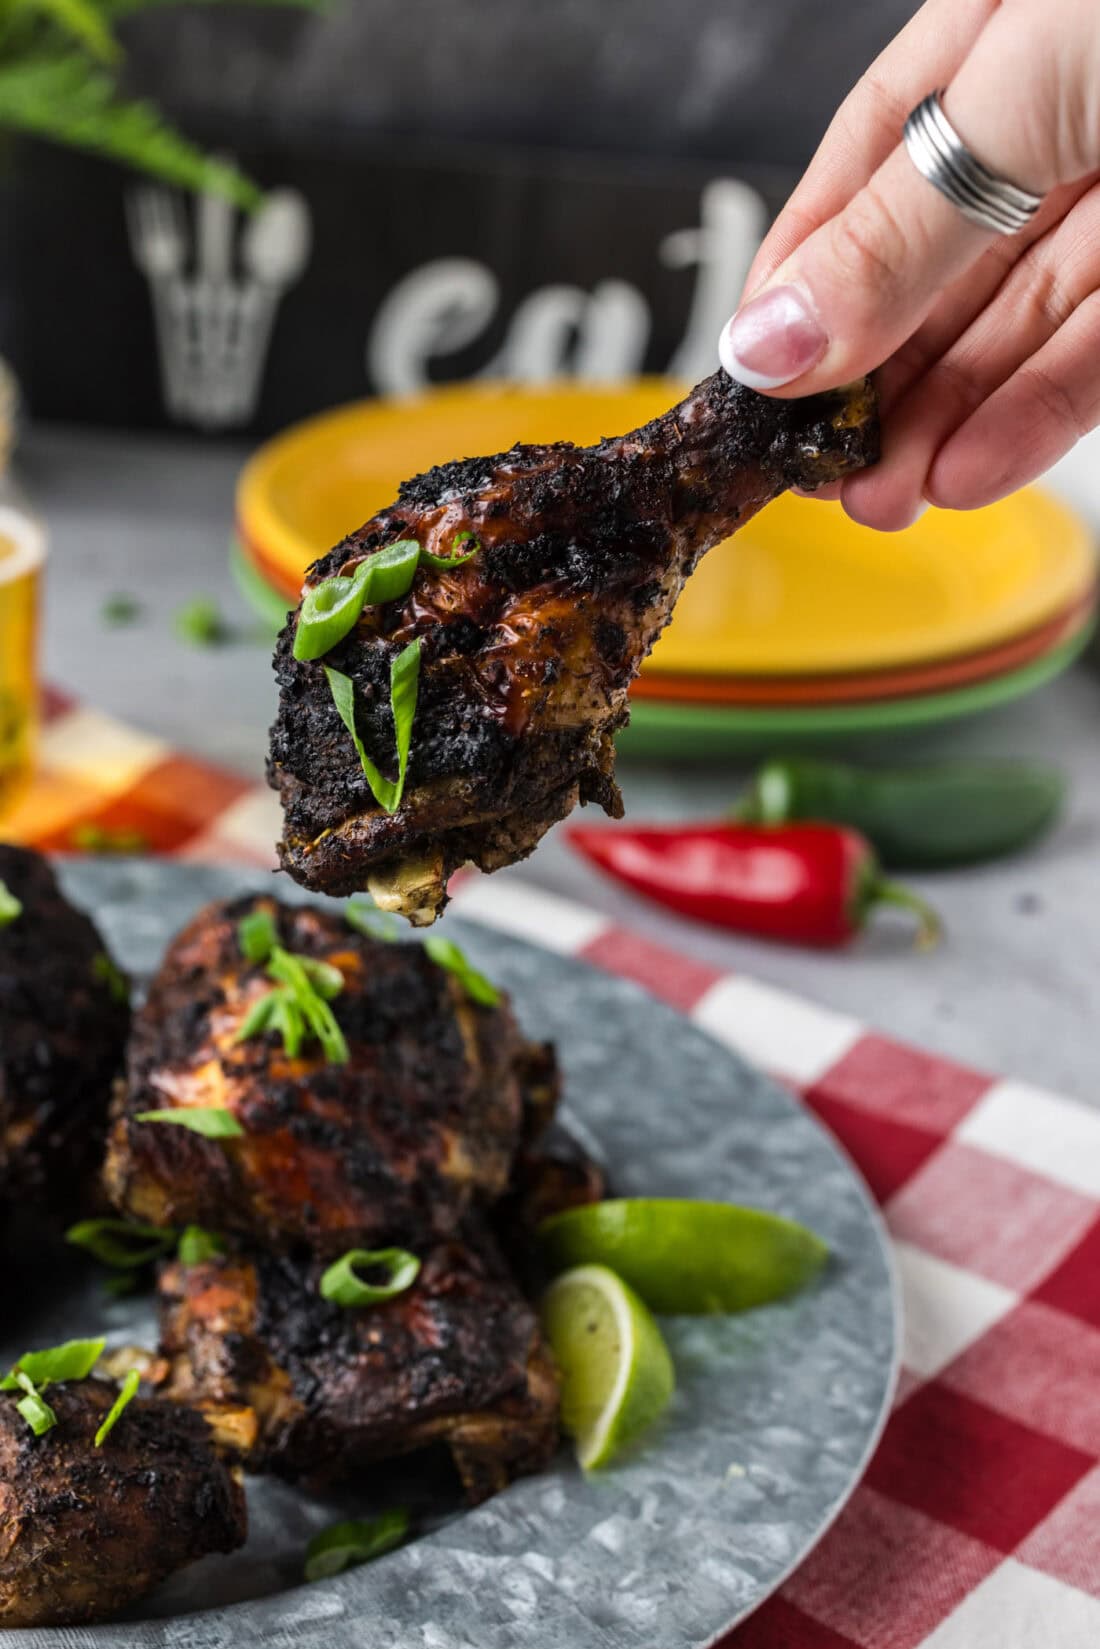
(84, 1531)
(566, 565)
(420, 1123)
(457, 1359)
(63, 1021)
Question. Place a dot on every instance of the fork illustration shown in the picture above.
(213, 324)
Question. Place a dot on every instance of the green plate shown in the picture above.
(681, 732)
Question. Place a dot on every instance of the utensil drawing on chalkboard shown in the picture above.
(216, 294)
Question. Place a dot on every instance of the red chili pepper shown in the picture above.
(807, 884)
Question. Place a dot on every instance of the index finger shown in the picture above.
(868, 124)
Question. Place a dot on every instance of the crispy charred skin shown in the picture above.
(421, 1124)
(86, 1531)
(457, 1359)
(528, 650)
(61, 1037)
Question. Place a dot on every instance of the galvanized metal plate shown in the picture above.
(774, 1417)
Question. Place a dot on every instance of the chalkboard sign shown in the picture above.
(377, 271)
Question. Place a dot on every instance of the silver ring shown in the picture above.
(940, 155)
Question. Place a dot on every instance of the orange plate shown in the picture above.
(876, 684)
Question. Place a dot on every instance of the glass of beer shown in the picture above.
(22, 556)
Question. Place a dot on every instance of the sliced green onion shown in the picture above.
(122, 1244)
(197, 1245)
(11, 908)
(211, 1121)
(331, 609)
(124, 1398)
(257, 935)
(96, 838)
(442, 563)
(304, 975)
(199, 623)
(365, 917)
(120, 609)
(106, 972)
(346, 1545)
(73, 1360)
(288, 1021)
(34, 1409)
(404, 687)
(447, 955)
(341, 1285)
(298, 1006)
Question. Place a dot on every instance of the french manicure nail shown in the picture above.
(772, 339)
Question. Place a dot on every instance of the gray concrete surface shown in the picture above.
(1016, 986)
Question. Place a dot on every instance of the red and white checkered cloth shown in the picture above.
(977, 1525)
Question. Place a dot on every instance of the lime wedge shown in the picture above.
(615, 1369)
(686, 1257)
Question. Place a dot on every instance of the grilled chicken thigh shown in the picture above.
(456, 1359)
(528, 648)
(86, 1531)
(63, 1021)
(422, 1123)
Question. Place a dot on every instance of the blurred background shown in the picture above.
(438, 164)
(429, 199)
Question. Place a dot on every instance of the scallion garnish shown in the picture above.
(106, 972)
(404, 687)
(199, 623)
(96, 838)
(197, 1244)
(120, 609)
(331, 609)
(124, 1398)
(366, 918)
(346, 1545)
(211, 1121)
(446, 954)
(72, 1360)
(443, 563)
(257, 935)
(11, 908)
(33, 1407)
(124, 1245)
(342, 1286)
(298, 1007)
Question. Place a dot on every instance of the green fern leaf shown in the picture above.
(82, 20)
(63, 100)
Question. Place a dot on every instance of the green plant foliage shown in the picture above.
(59, 63)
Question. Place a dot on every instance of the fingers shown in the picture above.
(1041, 292)
(865, 280)
(856, 289)
(1029, 423)
(868, 123)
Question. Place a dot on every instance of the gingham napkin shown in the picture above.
(977, 1525)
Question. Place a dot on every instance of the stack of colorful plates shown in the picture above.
(805, 629)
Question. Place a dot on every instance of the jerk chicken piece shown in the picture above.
(63, 1023)
(86, 1531)
(421, 1123)
(528, 648)
(457, 1359)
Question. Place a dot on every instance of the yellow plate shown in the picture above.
(803, 590)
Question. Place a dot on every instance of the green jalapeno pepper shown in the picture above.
(917, 818)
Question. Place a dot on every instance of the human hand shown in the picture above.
(989, 346)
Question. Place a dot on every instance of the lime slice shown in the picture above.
(615, 1368)
(688, 1257)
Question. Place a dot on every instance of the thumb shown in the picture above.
(863, 282)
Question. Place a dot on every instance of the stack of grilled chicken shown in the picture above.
(429, 1137)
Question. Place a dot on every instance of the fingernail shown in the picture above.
(773, 339)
